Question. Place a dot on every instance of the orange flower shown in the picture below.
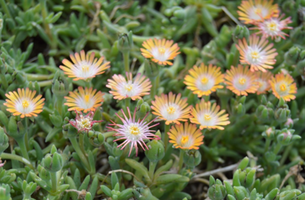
(160, 51)
(23, 103)
(258, 53)
(241, 80)
(208, 115)
(84, 66)
(262, 78)
(170, 108)
(185, 136)
(204, 80)
(283, 86)
(253, 11)
(134, 89)
(84, 100)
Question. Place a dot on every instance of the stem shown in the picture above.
(38, 77)
(180, 160)
(127, 103)
(5, 9)
(16, 157)
(54, 181)
(26, 137)
(45, 83)
(108, 134)
(166, 130)
(88, 83)
(59, 105)
(286, 153)
(277, 148)
(155, 83)
(81, 142)
(21, 144)
(267, 144)
(79, 152)
(126, 60)
(152, 167)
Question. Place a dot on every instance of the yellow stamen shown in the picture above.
(134, 130)
(242, 81)
(283, 87)
(272, 26)
(87, 98)
(260, 84)
(85, 68)
(161, 50)
(204, 80)
(258, 11)
(85, 123)
(25, 104)
(184, 139)
(254, 54)
(128, 88)
(207, 117)
(171, 110)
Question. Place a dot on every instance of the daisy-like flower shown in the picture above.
(85, 100)
(23, 103)
(185, 136)
(171, 108)
(84, 66)
(83, 123)
(133, 132)
(283, 86)
(204, 80)
(160, 51)
(208, 115)
(273, 27)
(258, 53)
(130, 88)
(253, 11)
(241, 80)
(262, 78)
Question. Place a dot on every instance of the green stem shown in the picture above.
(127, 103)
(267, 144)
(16, 157)
(88, 83)
(21, 144)
(45, 83)
(180, 160)
(59, 105)
(108, 134)
(286, 153)
(81, 142)
(79, 152)
(54, 181)
(38, 77)
(166, 130)
(26, 135)
(5, 9)
(126, 60)
(155, 83)
(152, 167)
(277, 148)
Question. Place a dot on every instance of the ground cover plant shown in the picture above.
(193, 99)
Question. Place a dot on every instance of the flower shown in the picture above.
(241, 80)
(262, 78)
(84, 100)
(208, 115)
(253, 11)
(84, 67)
(185, 136)
(258, 53)
(204, 80)
(23, 103)
(133, 132)
(83, 123)
(283, 86)
(273, 27)
(160, 51)
(122, 88)
(170, 108)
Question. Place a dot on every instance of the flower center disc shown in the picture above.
(254, 54)
(207, 117)
(25, 103)
(204, 80)
(171, 110)
(283, 87)
(272, 26)
(242, 81)
(134, 130)
(161, 50)
(184, 139)
(87, 97)
(128, 88)
(85, 68)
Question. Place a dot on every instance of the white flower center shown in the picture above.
(85, 69)
(25, 106)
(85, 102)
(171, 111)
(241, 82)
(129, 89)
(205, 82)
(161, 53)
(255, 55)
(258, 12)
(206, 118)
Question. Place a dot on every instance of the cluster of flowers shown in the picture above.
(171, 108)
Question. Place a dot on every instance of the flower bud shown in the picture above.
(269, 133)
(192, 158)
(56, 120)
(240, 32)
(155, 151)
(5, 193)
(144, 109)
(60, 85)
(240, 192)
(125, 42)
(116, 151)
(282, 114)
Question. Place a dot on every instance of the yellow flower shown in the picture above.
(23, 103)
(185, 136)
(208, 115)
(241, 80)
(160, 51)
(84, 100)
(258, 53)
(262, 78)
(253, 11)
(273, 27)
(84, 66)
(170, 108)
(283, 86)
(134, 89)
(204, 80)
